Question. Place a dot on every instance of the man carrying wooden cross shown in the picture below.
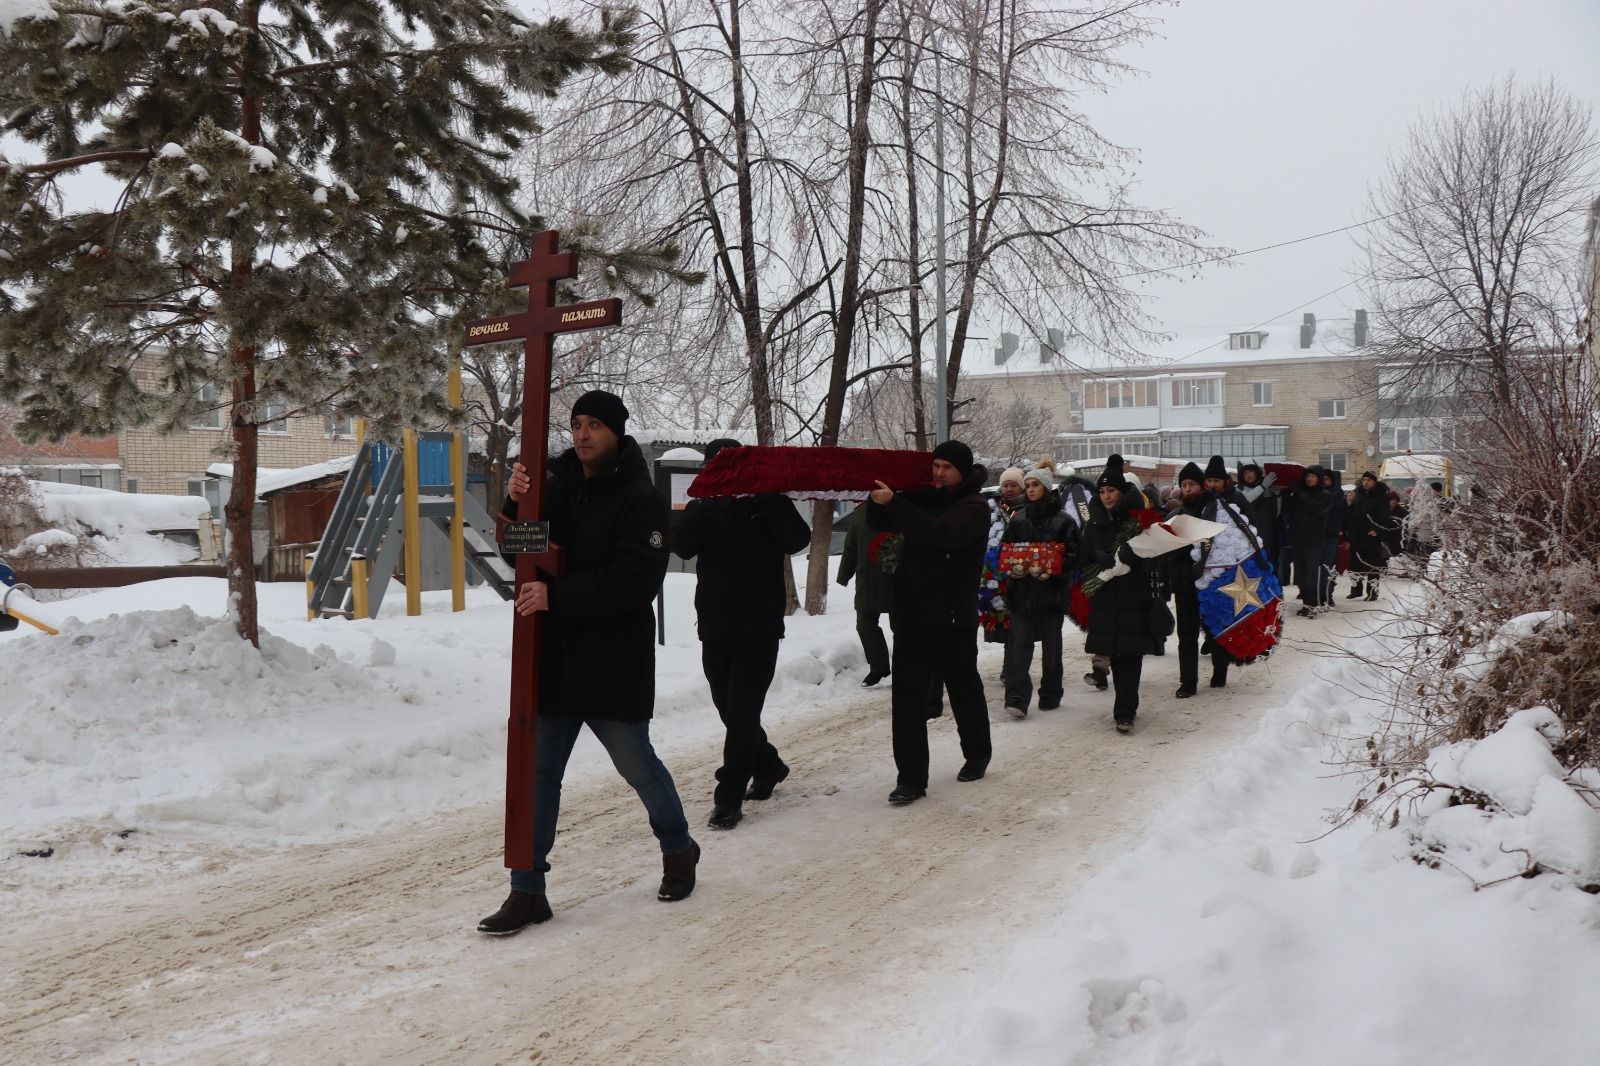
(597, 655)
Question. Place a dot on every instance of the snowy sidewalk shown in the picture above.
(828, 927)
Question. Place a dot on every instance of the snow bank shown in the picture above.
(1244, 930)
(114, 513)
(41, 542)
(148, 713)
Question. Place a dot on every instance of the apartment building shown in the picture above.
(152, 459)
(1300, 392)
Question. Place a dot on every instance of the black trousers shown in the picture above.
(1026, 631)
(1190, 632)
(1125, 671)
(873, 643)
(1308, 575)
(739, 673)
(921, 655)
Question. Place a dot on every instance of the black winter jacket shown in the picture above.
(1042, 520)
(946, 535)
(1368, 525)
(874, 587)
(742, 545)
(598, 649)
(1308, 511)
(1120, 612)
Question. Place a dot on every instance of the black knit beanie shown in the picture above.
(1192, 472)
(605, 406)
(956, 454)
(1113, 475)
(1216, 468)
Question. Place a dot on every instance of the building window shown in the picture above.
(210, 489)
(1245, 341)
(1196, 392)
(1261, 394)
(274, 416)
(1333, 461)
(131, 485)
(1395, 439)
(210, 414)
(1330, 408)
(90, 479)
(1100, 395)
(337, 424)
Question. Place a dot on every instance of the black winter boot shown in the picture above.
(904, 794)
(761, 787)
(1356, 591)
(520, 910)
(1372, 589)
(677, 874)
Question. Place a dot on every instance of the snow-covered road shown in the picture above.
(828, 927)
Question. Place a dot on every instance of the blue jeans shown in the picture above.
(628, 744)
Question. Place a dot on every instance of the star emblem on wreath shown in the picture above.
(1242, 591)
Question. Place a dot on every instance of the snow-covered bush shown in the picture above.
(1507, 618)
(27, 539)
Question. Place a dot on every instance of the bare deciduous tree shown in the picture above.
(1473, 261)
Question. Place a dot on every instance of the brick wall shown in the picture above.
(166, 462)
(70, 449)
(1297, 388)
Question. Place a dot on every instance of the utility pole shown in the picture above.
(940, 386)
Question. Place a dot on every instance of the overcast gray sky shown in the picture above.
(1265, 120)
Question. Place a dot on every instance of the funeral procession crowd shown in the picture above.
(949, 562)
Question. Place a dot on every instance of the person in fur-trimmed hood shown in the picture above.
(946, 531)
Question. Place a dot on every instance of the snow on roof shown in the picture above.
(269, 480)
(1185, 351)
(691, 436)
(114, 512)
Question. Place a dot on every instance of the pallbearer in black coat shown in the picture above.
(742, 545)
(946, 530)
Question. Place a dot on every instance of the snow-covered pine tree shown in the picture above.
(303, 196)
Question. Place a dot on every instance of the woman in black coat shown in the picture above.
(1368, 524)
(1038, 605)
(1121, 612)
(1308, 506)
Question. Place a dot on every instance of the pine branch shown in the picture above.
(117, 155)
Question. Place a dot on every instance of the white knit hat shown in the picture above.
(1013, 473)
(1042, 476)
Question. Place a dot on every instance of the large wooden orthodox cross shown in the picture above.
(536, 328)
